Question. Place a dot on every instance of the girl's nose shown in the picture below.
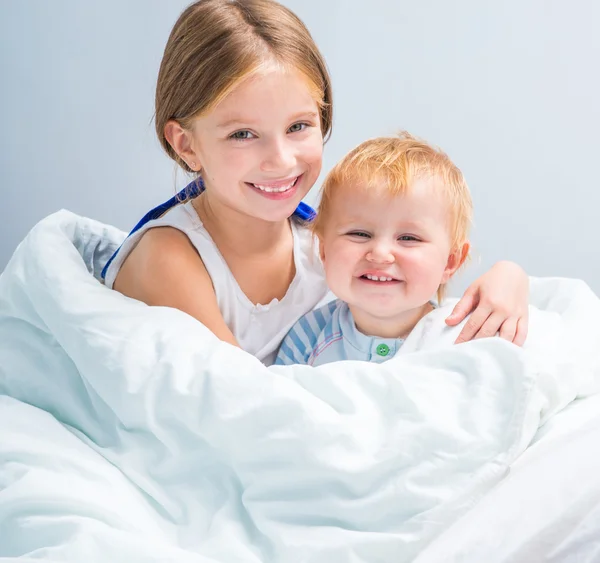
(279, 157)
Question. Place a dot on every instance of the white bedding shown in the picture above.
(546, 509)
(130, 433)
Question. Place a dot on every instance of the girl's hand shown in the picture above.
(499, 301)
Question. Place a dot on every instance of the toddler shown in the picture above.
(392, 228)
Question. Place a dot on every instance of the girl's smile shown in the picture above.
(281, 189)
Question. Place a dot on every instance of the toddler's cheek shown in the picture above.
(338, 281)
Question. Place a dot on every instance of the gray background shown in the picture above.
(509, 89)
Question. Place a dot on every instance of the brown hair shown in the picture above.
(394, 163)
(217, 43)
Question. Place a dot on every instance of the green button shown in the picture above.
(383, 349)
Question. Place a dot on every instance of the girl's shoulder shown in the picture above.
(165, 270)
(178, 227)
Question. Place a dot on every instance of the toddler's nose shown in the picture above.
(380, 253)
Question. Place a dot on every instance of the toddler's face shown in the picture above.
(385, 255)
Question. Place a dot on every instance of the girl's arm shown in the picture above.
(164, 269)
(499, 302)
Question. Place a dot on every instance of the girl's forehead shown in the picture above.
(269, 89)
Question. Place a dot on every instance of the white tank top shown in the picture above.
(259, 329)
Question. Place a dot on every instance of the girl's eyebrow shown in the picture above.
(240, 121)
(234, 121)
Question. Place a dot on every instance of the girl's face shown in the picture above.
(261, 147)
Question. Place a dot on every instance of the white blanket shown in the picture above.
(130, 433)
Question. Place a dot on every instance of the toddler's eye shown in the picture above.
(241, 135)
(408, 238)
(359, 234)
(297, 127)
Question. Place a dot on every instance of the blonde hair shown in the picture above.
(215, 44)
(395, 163)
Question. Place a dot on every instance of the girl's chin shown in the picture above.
(276, 213)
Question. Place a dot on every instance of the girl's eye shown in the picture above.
(359, 234)
(297, 127)
(408, 238)
(241, 135)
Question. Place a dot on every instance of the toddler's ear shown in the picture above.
(321, 249)
(455, 261)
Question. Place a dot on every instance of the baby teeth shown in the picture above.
(275, 190)
(380, 278)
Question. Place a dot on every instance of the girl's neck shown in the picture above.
(236, 233)
(399, 326)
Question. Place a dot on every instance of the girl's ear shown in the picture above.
(181, 140)
(455, 261)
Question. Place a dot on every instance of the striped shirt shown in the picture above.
(328, 334)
